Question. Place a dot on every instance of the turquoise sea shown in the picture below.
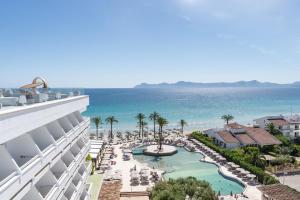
(200, 107)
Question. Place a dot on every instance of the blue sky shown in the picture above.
(120, 43)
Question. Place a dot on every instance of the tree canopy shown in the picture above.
(181, 189)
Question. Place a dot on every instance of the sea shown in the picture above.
(202, 108)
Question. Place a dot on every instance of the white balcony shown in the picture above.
(46, 184)
(33, 194)
(59, 170)
(55, 130)
(42, 138)
(68, 158)
(23, 150)
(65, 124)
(77, 180)
(8, 167)
(80, 143)
(30, 156)
(78, 116)
(75, 150)
(73, 120)
(86, 192)
(70, 192)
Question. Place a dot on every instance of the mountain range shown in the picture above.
(184, 84)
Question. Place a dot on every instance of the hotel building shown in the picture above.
(44, 144)
(235, 135)
(288, 125)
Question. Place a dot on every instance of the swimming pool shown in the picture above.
(184, 164)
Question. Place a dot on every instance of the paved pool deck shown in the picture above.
(125, 167)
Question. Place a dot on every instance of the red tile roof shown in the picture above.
(261, 136)
(227, 137)
(279, 192)
(245, 139)
(234, 126)
(279, 122)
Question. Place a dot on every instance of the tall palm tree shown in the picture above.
(161, 123)
(153, 117)
(97, 121)
(140, 117)
(227, 118)
(182, 124)
(143, 125)
(111, 120)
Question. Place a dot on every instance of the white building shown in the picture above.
(43, 150)
(288, 125)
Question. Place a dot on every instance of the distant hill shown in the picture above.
(184, 84)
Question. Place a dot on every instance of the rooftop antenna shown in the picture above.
(291, 111)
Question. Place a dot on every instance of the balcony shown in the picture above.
(55, 130)
(73, 120)
(8, 167)
(43, 139)
(78, 116)
(70, 192)
(65, 124)
(23, 150)
(75, 150)
(33, 194)
(59, 169)
(46, 184)
(77, 180)
(86, 192)
(68, 158)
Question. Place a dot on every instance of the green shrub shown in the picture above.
(178, 189)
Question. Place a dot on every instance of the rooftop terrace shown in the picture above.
(15, 99)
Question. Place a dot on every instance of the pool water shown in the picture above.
(185, 164)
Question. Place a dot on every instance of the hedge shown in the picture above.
(262, 176)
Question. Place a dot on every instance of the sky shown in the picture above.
(121, 43)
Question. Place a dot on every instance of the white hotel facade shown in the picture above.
(43, 150)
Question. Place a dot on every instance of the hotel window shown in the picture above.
(297, 126)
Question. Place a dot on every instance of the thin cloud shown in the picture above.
(237, 41)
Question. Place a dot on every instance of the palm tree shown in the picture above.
(97, 121)
(258, 159)
(111, 120)
(227, 118)
(153, 117)
(182, 123)
(140, 117)
(161, 123)
(143, 125)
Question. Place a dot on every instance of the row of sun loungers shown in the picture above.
(245, 175)
(141, 177)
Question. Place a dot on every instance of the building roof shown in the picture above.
(261, 136)
(279, 122)
(245, 139)
(234, 126)
(279, 192)
(227, 137)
